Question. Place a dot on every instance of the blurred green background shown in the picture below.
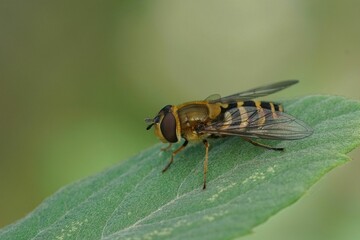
(77, 79)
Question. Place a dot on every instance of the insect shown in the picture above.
(234, 115)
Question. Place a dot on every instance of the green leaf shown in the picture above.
(246, 185)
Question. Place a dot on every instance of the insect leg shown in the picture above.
(167, 147)
(262, 145)
(206, 143)
(173, 155)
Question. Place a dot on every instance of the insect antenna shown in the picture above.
(150, 122)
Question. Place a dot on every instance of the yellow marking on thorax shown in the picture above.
(177, 120)
(215, 109)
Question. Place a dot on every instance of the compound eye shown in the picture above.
(168, 127)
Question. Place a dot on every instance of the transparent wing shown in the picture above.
(213, 97)
(253, 93)
(259, 123)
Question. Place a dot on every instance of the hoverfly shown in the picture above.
(234, 115)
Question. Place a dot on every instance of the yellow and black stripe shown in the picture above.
(237, 113)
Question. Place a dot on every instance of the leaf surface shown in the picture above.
(246, 185)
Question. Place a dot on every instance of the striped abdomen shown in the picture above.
(247, 113)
